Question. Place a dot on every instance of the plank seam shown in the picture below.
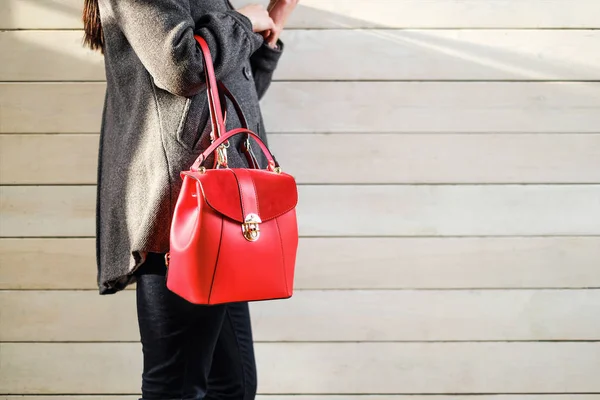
(361, 237)
(328, 184)
(371, 28)
(319, 341)
(354, 81)
(359, 80)
(361, 133)
(311, 394)
(367, 289)
(324, 133)
(332, 395)
(343, 184)
(291, 395)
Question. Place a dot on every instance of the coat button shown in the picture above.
(247, 73)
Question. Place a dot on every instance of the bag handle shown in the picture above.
(214, 103)
(227, 95)
(214, 90)
(245, 146)
(273, 165)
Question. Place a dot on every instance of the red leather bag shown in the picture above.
(234, 233)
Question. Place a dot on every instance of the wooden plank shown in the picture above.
(48, 56)
(323, 107)
(336, 368)
(57, 14)
(323, 263)
(350, 316)
(44, 159)
(47, 211)
(375, 210)
(76, 107)
(444, 13)
(432, 107)
(441, 55)
(440, 158)
(449, 210)
(385, 158)
(47, 264)
(448, 262)
(46, 14)
(345, 397)
(458, 54)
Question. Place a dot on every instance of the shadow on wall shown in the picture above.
(385, 54)
(331, 55)
(68, 12)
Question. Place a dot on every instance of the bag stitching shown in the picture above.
(212, 283)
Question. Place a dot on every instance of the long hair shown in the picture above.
(93, 36)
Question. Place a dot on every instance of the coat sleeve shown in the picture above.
(161, 33)
(264, 61)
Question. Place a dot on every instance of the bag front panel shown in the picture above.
(247, 270)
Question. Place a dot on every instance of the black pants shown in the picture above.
(192, 352)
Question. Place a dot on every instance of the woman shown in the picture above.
(155, 123)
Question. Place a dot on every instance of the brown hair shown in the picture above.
(93, 36)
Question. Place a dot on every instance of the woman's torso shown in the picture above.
(148, 137)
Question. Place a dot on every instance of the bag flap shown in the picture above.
(276, 193)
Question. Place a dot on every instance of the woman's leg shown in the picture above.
(233, 372)
(178, 338)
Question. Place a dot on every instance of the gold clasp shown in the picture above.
(250, 227)
(222, 156)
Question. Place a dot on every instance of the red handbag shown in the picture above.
(234, 233)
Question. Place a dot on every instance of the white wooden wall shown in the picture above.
(448, 153)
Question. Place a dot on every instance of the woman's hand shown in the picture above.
(259, 16)
(279, 10)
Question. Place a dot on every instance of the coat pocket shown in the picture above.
(193, 122)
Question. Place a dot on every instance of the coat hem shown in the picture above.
(119, 283)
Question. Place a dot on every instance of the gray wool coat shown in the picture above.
(155, 118)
